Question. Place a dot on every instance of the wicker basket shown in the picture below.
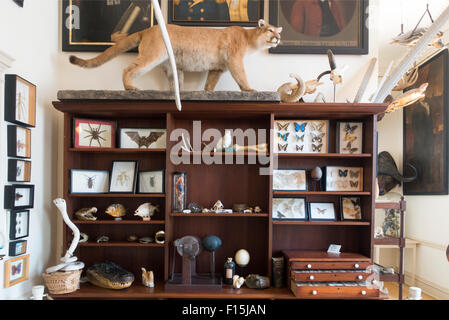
(62, 282)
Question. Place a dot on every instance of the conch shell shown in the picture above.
(116, 210)
(408, 98)
(293, 92)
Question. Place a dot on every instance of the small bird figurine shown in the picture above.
(117, 211)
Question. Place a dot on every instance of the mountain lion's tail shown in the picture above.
(121, 46)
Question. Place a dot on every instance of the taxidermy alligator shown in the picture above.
(110, 276)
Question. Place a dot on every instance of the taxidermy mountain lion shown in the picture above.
(196, 50)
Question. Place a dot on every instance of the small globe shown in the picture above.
(242, 258)
(211, 243)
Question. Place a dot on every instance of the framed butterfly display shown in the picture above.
(351, 208)
(289, 180)
(94, 133)
(134, 138)
(344, 179)
(19, 224)
(350, 137)
(289, 209)
(322, 211)
(16, 270)
(301, 136)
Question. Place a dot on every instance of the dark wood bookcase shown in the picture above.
(236, 183)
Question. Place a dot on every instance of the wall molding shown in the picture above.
(5, 61)
(431, 244)
(428, 287)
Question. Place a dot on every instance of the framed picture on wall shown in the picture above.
(92, 25)
(20, 101)
(344, 179)
(151, 182)
(16, 270)
(89, 181)
(313, 27)
(19, 142)
(426, 130)
(217, 13)
(19, 196)
(19, 170)
(17, 248)
(322, 211)
(89, 133)
(350, 137)
(19, 224)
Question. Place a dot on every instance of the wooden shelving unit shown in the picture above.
(262, 236)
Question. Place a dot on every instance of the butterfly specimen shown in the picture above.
(300, 148)
(90, 181)
(301, 127)
(298, 138)
(342, 173)
(316, 148)
(349, 129)
(94, 134)
(280, 215)
(122, 178)
(355, 203)
(354, 174)
(317, 126)
(282, 148)
(18, 196)
(284, 136)
(354, 184)
(16, 269)
(144, 141)
(350, 149)
(318, 138)
(350, 138)
(283, 127)
(321, 211)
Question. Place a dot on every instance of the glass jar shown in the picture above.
(179, 191)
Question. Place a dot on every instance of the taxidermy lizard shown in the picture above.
(196, 49)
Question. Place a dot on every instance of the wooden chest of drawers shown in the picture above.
(319, 275)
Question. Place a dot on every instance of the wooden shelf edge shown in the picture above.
(122, 222)
(319, 193)
(116, 150)
(387, 241)
(322, 223)
(233, 215)
(115, 195)
(121, 244)
(323, 155)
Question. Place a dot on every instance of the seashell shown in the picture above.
(86, 214)
(132, 238)
(186, 211)
(237, 281)
(116, 210)
(146, 240)
(146, 211)
(102, 239)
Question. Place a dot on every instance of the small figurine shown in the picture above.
(117, 211)
(102, 239)
(147, 278)
(249, 210)
(237, 281)
(218, 206)
(86, 214)
(257, 209)
(145, 240)
(146, 211)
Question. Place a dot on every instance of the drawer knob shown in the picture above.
(356, 265)
(314, 292)
(309, 266)
(311, 277)
(363, 293)
(360, 277)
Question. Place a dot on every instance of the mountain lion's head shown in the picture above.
(267, 36)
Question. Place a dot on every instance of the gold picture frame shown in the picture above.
(17, 270)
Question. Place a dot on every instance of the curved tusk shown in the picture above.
(413, 178)
(165, 36)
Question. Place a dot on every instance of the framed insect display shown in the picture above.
(351, 208)
(89, 181)
(17, 248)
(123, 177)
(344, 179)
(289, 209)
(289, 180)
(19, 170)
(134, 138)
(19, 142)
(301, 136)
(19, 224)
(94, 133)
(17, 270)
(151, 182)
(18, 197)
(350, 137)
(20, 101)
(322, 211)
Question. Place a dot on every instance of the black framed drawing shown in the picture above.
(19, 225)
(19, 142)
(19, 197)
(89, 181)
(151, 182)
(349, 137)
(20, 101)
(216, 13)
(322, 211)
(426, 130)
(123, 177)
(294, 209)
(17, 248)
(88, 25)
(344, 30)
(19, 170)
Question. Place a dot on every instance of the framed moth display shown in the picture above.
(123, 177)
(18, 197)
(19, 224)
(17, 248)
(16, 270)
(151, 182)
(344, 179)
(290, 180)
(20, 101)
(19, 142)
(351, 208)
(289, 209)
(89, 181)
(350, 137)
(322, 211)
(141, 138)
(301, 136)
(19, 170)
(94, 133)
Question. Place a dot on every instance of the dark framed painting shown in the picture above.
(216, 13)
(89, 25)
(314, 26)
(20, 101)
(426, 130)
(19, 170)
(19, 197)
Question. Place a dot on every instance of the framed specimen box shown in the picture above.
(19, 170)
(301, 136)
(16, 270)
(19, 142)
(151, 182)
(143, 138)
(350, 137)
(19, 224)
(289, 180)
(289, 209)
(93, 133)
(17, 248)
(20, 101)
(351, 208)
(123, 177)
(89, 181)
(313, 27)
(322, 211)
(19, 196)
(344, 179)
